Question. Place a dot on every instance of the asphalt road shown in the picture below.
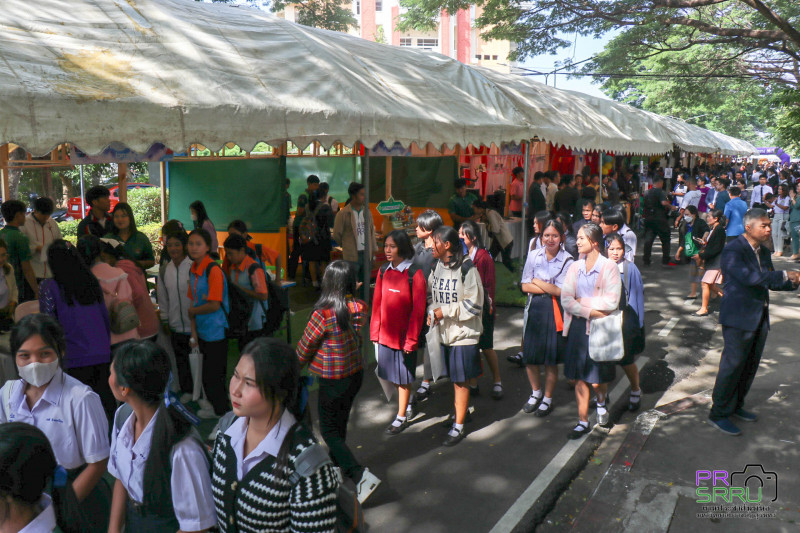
(475, 485)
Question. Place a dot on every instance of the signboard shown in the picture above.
(390, 206)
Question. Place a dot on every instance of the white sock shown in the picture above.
(636, 393)
(455, 430)
(398, 421)
(545, 403)
(581, 425)
(424, 385)
(601, 408)
(536, 394)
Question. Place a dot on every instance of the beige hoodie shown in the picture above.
(461, 304)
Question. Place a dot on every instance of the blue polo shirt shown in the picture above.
(734, 212)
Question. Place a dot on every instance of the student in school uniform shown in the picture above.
(174, 303)
(613, 221)
(27, 472)
(542, 279)
(632, 305)
(68, 412)
(157, 457)
(471, 236)
(456, 305)
(398, 312)
(250, 279)
(539, 220)
(331, 347)
(263, 434)
(74, 297)
(208, 291)
(201, 221)
(259, 253)
(427, 222)
(113, 282)
(591, 289)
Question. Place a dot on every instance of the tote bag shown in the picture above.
(605, 338)
(196, 367)
(433, 347)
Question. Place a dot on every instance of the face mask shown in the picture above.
(688, 218)
(38, 374)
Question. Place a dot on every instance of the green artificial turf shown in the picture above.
(506, 293)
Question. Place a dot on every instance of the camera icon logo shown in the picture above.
(753, 477)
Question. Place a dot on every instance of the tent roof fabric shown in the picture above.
(178, 72)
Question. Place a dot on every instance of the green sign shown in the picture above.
(390, 206)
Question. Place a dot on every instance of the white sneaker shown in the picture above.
(186, 398)
(205, 404)
(367, 485)
(206, 414)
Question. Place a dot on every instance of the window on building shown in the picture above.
(378, 5)
(494, 58)
(428, 44)
(486, 58)
(406, 41)
(478, 57)
(358, 7)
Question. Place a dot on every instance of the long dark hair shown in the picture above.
(27, 464)
(202, 214)
(445, 234)
(122, 206)
(277, 372)
(90, 247)
(471, 230)
(47, 327)
(338, 282)
(403, 243)
(74, 279)
(143, 367)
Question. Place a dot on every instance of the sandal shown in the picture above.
(701, 314)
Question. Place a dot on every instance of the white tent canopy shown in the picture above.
(91, 72)
(580, 121)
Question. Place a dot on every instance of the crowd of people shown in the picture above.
(95, 435)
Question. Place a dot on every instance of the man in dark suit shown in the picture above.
(744, 316)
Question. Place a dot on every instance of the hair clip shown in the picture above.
(171, 400)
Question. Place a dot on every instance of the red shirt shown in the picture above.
(485, 265)
(398, 312)
(328, 350)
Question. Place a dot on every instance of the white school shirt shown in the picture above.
(629, 238)
(45, 521)
(173, 296)
(5, 293)
(190, 481)
(69, 413)
(271, 445)
(782, 205)
(758, 194)
(691, 198)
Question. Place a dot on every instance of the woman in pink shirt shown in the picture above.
(113, 281)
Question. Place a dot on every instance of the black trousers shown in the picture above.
(96, 377)
(505, 252)
(215, 372)
(737, 367)
(653, 229)
(335, 401)
(181, 347)
(294, 257)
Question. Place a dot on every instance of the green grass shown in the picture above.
(506, 294)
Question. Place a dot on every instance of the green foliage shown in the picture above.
(153, 232)
(756, 43)
(333, 15)
(146, 205)
(740, 107)
(69, 229)
(787, 121)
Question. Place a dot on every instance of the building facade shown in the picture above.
(456, 35)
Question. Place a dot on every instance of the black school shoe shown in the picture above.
(634, 405)
(541, 413)
(529, 407)
(396, 430)
(579, 431)
(422, 396)
(453, 440)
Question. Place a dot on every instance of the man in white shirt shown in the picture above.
(759, 192)
(691, 197)
(41, 231)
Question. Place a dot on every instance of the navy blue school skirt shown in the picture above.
(463, 362)
(577, 363)
(542, 345)
(632, 336)
(395, 366)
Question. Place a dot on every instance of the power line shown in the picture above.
(640, 75)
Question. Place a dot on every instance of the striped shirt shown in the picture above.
(331, 352)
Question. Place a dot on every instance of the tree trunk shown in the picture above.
(66, 187)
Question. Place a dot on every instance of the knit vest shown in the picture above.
(263, 500)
